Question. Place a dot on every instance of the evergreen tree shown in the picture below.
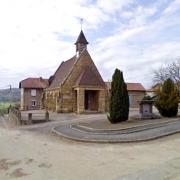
(167, 101)
(119, 99)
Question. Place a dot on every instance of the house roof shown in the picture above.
(38, 83)
(81, 38)
(155, 88)
(150, 90)
(62, 72)
(130, 86)
(89, 78)
(135, 87)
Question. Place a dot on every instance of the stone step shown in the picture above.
(120, 131)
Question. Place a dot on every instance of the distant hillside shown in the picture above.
(10, 96)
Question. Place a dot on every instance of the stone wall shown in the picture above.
(66, 98)
(102, 100)
(52, 100)
(69, 100)
(67, 88)
(134, 97)
(27, 99)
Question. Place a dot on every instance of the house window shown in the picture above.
(33, 102)
(33, 92)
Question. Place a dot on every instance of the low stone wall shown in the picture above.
(15, 115)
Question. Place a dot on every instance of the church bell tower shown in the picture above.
(81, 43)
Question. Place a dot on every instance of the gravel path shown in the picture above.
(28, 155)
(46, 128)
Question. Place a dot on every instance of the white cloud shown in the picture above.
(111, 6)
(35, 36)
(138, 48)
(173, 7)
(28, 40)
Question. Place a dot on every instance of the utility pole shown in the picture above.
(10, 90)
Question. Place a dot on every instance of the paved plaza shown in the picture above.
(134, 134)
(31, 152)
(97, 128)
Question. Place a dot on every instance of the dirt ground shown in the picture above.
(33, 156)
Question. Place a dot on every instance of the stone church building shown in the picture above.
(76, 86)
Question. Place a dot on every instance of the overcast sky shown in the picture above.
(136, 36)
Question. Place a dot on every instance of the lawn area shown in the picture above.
(4, 107)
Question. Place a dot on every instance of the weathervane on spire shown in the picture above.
(81, 21)
(81, 42)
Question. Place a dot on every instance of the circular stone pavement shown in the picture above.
(133, 134)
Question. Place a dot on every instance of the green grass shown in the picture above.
(4, 107)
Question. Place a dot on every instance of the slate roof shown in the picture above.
(89, 78)
(37, 83)
(81, 38)
(130, 86)
(62, 72)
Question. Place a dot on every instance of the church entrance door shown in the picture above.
(91, 100)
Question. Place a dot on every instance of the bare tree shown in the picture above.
(171, 71)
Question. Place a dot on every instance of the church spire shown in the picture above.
(81, 42)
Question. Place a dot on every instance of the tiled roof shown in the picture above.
(130, 86)
(89, 78)
(34, 83)
(135, 87)
(62, 72)
(151, 90)
(155, 88)
(81, 38)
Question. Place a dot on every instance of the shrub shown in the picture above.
(167, 100)
(119, 99)
(147, 97)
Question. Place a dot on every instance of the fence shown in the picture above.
(15, 115)
(34, 117)
(28, 117)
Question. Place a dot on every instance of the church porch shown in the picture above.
(89, 100)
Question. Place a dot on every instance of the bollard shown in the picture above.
(17, 115)
(47, 116)
(29, 118)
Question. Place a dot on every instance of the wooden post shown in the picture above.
(29, 118)
(19, 118)
(47, 116)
